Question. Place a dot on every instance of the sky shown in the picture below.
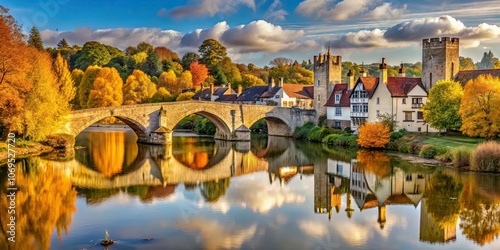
(257, 31)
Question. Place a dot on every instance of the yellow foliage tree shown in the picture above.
(161, 95)
(107, 90)
(373, 135)
(138, 88)
(185, 96)
(86, 84)
(140, 57)
(66, 85)
(168, 80)
(186, 80)
(480, 107)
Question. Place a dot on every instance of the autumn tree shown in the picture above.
(373, 135)
(185, 96)
(138, 88)
(76, 75)
(439, 190)
(161, 95)
(47, 103)
(480, 107)
(64, 78)
(140, 57)
(375, 162)
(443, 104)
(280, 61)
(230, 70)
(199, 72)
(212, 53)
(169, 81)
(174, 66)
(466, 63)
(188, 59)
(144, 47)
(186, 80)
(87, 84)
(107, 90)
(35, 39)
(249, 80)
(166, 54)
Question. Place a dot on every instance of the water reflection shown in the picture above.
(248, 195)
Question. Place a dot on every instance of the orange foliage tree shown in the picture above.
(373, 135)
(166, 54)
(375, 162)
(480, 107)
(199, 72)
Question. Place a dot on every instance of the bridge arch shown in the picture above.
(221, 125)
(276, 124)
(136, 126)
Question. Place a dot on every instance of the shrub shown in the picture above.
(397, 135)
(314, 134)
(429, 151)
(302, 131)
(60, 141)
(373, 135)
(344, 140)
(460, 157)
(329, 139)
(486, 157)
(348, 130)
(322, 120)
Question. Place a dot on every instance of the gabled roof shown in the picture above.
(370, 84)
(310, 90)
(271, 92)
(252, 94)
(221, 90)
(345, 93)
(204, 94)
(297, 91)
(401, 86)
(227, 98)
(464, 76)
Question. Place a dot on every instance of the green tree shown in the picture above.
(443, 104)
(94, 53)
(77, 76)
(213, 190)
(188, 59)
(63, 44)
(87, 84)
(35, 39)
(212, 53)
(488, 61)
(107, 90)
(151, 65)
(230, 70)
(466, 63)
(220, 77)
(138, 88)
(174, 66)
(144, 47)
(443, 194)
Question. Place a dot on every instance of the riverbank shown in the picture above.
(23, 150)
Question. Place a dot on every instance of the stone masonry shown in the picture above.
(327, 72)
(440, 60)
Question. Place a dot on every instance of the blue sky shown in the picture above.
(258, 31)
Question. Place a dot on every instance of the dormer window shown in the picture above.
(337, 98)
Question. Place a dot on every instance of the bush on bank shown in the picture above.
(486, 157)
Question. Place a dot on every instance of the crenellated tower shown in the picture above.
(327, 72)
(440, 60)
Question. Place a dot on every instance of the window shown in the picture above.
(355, 108)
(277, 96)
(419, 129)
(404, 101)
(408, 116)
(338, 111)
(378, 100)
(420, 115)
(430, 80)
(378, 113)
(337, 98)
(337, 124)
(409, 177)
(318, 83)
(339, 168)
(365, 108)
(290, 104)
(416, 100)
(284, 104)
(319, 98)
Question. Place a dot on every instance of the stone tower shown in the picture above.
(327, 72)
(440, 60)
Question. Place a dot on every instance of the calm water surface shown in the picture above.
(272, 193)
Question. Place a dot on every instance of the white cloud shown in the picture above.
(348, 9)
(275, 11)
(313, 228)
(195, 38)
(207, 7)
(386, 11)
(120, 37)
(412, 32)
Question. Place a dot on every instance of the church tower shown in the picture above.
(440, 60)
(327, 72)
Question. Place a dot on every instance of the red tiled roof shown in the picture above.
(344, 99)
(370, 84)
(296, 91)
(310, 90)
(401, 86)
(464, 76)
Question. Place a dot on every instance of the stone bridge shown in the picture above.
(154, 123)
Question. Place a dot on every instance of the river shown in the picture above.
(270, 193)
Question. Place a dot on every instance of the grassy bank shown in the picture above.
(23, 149)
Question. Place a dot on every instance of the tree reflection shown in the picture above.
(213, 190)
(480, 216)
(193, 152)
(107, 152)
(45, 200)
(375, 162)
(443, 194)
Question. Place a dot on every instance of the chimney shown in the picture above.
(240, 89)
(270, 83)
(362, 72)
(229, 89)
(350, 79)
(383, 71)
(211, 89)
(280, 84)
(402, 71)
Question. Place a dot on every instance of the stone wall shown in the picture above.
(440, 60)
(328, 71)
